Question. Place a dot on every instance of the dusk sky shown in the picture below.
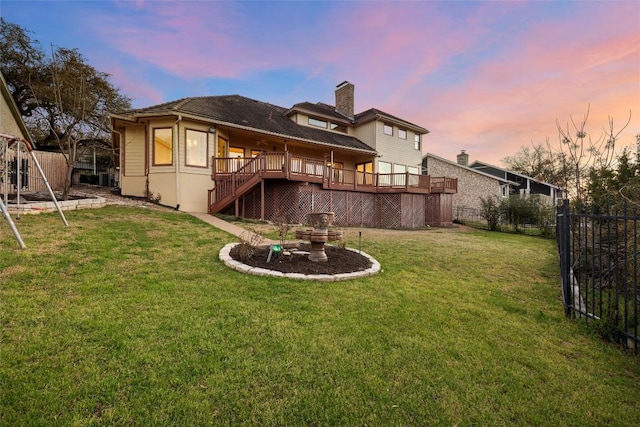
(486, 77)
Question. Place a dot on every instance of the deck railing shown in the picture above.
(231, 172)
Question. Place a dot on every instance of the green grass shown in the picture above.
(127, 317)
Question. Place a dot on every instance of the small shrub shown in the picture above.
(249, 243)
(491, 211)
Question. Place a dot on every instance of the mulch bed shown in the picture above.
(340, 260)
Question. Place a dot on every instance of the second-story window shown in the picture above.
(416, 139)
(318, 123)
(402, 134)
(388, 129)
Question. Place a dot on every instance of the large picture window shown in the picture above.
(162, 146)
(196, 148)
(384, 173)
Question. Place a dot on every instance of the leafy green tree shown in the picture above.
(64, 100)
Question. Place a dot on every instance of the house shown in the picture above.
(11, 122)
(480, 180)
(233, 154)
(473, 185)
(527, 186)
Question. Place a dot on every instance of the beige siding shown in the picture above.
(134, 151)
(8, 123)
(471, 185)
(366, 133)
(393, 149)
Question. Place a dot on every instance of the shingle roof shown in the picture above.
(373, 113)
(321, 109)
(249, 113)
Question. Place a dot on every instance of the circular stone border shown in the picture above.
(258, 271)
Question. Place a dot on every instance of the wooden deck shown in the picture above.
(234, 177)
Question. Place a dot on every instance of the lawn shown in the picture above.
(127, 317)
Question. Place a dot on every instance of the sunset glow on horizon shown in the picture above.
(484, 77)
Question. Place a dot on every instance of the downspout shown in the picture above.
(120, 154)
(177, 150)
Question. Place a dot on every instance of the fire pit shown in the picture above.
(319, 235)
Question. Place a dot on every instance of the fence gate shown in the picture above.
(600, 264)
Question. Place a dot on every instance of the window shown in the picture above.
(162, 146)
(365, 173)
(384, 171)
(399, 177)
(416, 139)
(318, 123)
(221, 150)
(388, 129)
(196, 148)
(337, 168)
(237, 153)
(402, 134)
(414, 179)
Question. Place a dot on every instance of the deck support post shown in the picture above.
(262, 200)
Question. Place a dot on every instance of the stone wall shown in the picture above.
(471, 185)
(65, 205)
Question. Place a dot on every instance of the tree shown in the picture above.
(579, 159)
(539, 162)
(64, 100)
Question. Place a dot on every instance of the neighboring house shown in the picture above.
(527, 186)
(233, 154)
(480, 180)
(473, 185)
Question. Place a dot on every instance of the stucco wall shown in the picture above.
(471, 186)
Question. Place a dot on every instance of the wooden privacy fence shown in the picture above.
(53, 165)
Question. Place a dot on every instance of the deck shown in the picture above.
(236, 176)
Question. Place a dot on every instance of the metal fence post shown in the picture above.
(562, 231)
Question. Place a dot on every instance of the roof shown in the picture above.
(250, 114)
(470, 169)
(479, 163)
(319, 109)
(374, 114)
(15, 112)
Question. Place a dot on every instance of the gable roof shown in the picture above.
(15, 112)
(375, 114)
(470, 169)
(478, 163)
(249, 114)
(319, 109)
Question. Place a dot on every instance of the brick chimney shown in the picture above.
(345, 99)
(463, 158)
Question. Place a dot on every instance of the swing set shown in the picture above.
(14, 172)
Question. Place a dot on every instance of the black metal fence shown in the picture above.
(599, 261)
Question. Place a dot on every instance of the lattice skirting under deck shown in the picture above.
(291, 201)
